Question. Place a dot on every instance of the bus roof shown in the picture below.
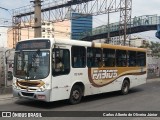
(119, 47)
(98, 45)
(88, 44)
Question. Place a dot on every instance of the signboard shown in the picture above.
(33, 44)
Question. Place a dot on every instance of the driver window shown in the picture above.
(60, 61)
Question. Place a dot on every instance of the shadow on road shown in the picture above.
(110, 95)
(50, 105)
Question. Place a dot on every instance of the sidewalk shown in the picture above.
(5, 90)
(154, 79)
(8, 94)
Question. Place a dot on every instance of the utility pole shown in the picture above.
(108, 37)
(37, 18)
(125, 19)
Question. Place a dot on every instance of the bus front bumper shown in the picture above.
(42, 96)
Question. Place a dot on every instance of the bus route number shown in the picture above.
(78, 74)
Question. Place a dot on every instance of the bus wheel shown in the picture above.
(125, 87)
(75, 95)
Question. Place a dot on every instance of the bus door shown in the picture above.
(60, 70)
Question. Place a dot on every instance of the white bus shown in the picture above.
(57, 69)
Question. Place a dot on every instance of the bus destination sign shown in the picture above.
(33, 44)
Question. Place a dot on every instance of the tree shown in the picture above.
(155, 47)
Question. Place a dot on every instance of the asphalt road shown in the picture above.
(142, 98)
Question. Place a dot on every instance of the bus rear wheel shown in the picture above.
(75, 95)
(125, 87)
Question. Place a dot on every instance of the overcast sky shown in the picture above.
(139, 7)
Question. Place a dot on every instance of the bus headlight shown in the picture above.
(41, 89)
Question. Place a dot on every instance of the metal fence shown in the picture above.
(136, 21)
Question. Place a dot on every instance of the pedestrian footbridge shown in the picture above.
(138, 24)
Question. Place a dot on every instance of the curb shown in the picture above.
(8, 97)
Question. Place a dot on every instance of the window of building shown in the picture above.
(78, 57)
(43, 23)
(48, 29)
(94, 57)
(43, 29)
(108, 57)
(121, 58)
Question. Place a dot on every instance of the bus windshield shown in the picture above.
(31, 64)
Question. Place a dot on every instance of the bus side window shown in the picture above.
(121, 58)
(94, 57)
(78, 57)
(131, 58)
(109, 57)
(89, 62)
(60, 62)
(141, 59)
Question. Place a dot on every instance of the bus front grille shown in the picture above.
(27, 94)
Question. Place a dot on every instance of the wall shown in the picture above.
(26, 33)
(6, 67)
(47, 30)
(62, 29)
(153, 67)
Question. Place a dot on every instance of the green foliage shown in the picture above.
(155, 47)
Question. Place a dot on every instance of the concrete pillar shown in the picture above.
(37, 18)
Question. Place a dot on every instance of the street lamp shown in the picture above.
(6, 10)
(5, 21)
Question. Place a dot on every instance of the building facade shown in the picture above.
(27, 33)
(81, 24)
(72, 29)
(47, 30)
(138, 42)
(62, 29)
(24, 33)
(66, 29)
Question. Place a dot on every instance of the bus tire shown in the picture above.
(125, 87)
(75, 95)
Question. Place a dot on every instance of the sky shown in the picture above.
(139, 7)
